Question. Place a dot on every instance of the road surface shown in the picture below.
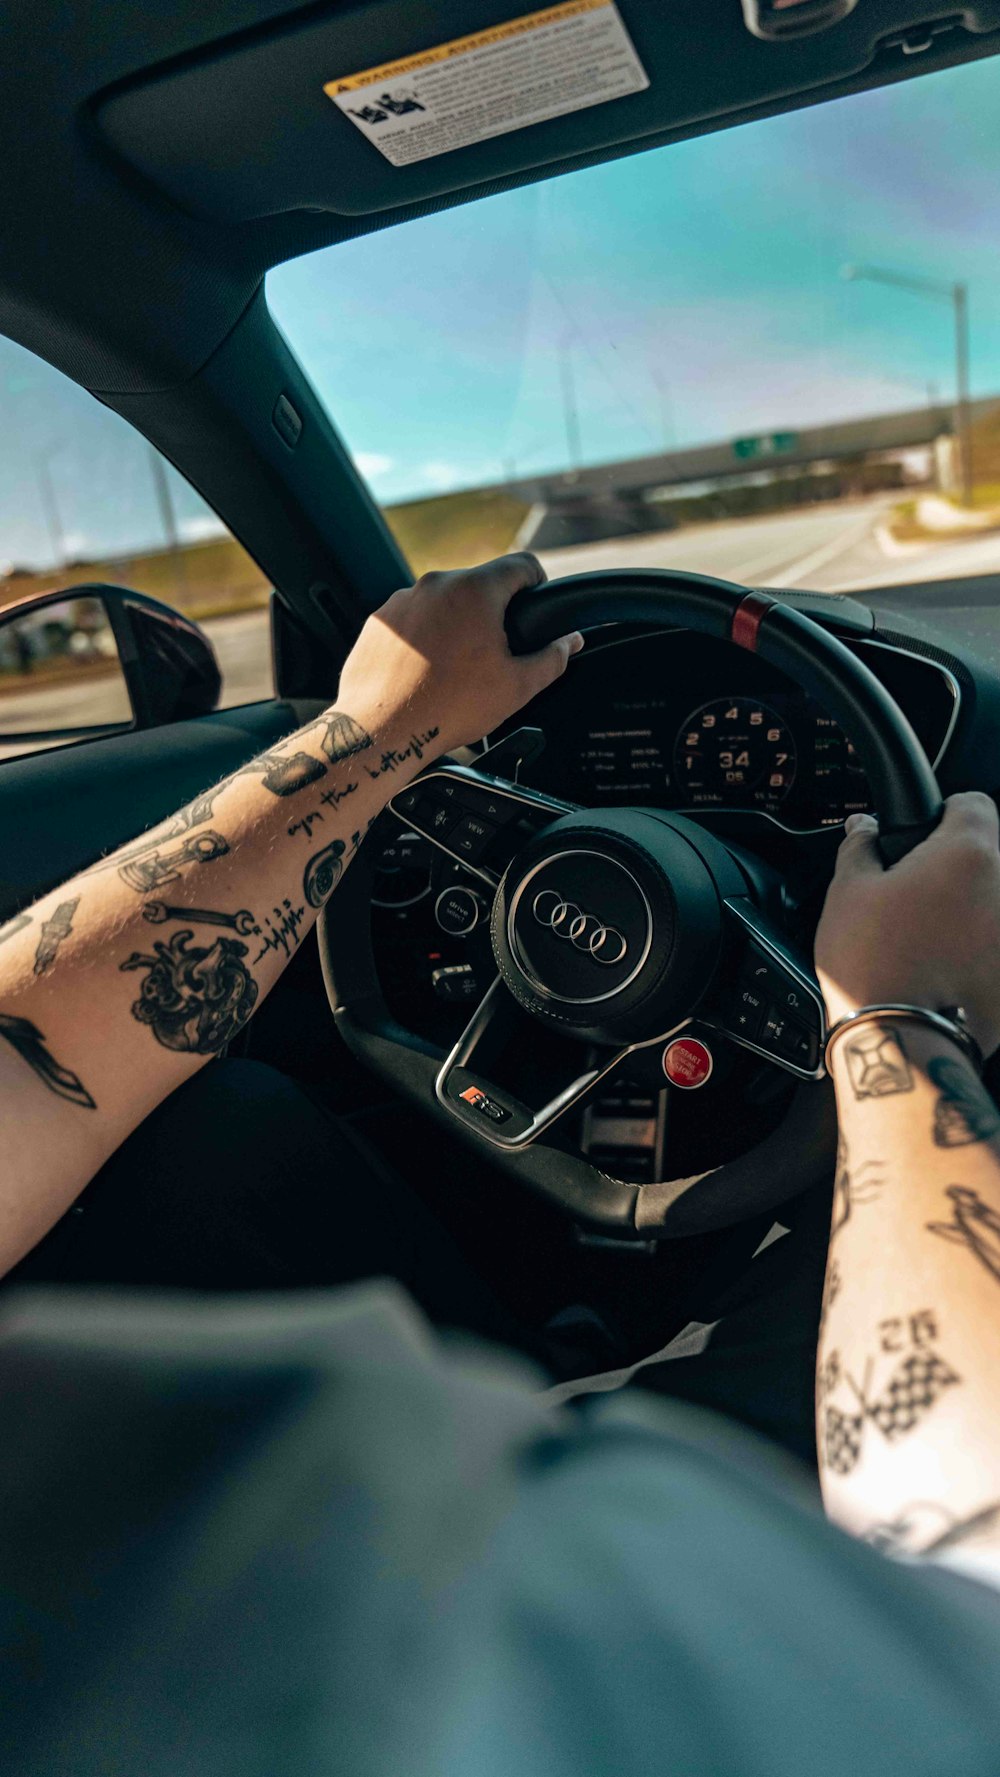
(829, 548)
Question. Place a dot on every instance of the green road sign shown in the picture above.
(769, 444)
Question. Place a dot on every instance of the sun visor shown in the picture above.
(388, 105)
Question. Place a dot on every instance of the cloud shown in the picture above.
(373, 463)
(438, 474)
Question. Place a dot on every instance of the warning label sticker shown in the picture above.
(542, 65)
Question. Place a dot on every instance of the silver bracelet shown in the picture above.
(952, 1025)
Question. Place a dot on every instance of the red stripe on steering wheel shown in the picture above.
(747, 619)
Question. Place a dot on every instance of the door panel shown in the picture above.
(60, 809)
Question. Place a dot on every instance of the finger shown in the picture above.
(550, 663)
(500, 579)
(859, 854)
(969, 812)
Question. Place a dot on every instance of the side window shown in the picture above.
(84, 498)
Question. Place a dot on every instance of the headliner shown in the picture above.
(120, 260)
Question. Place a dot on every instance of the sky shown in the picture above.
(681, 296)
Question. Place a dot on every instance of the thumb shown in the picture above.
(859, 854)
(550, 663)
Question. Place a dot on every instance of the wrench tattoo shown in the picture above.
(158, 911)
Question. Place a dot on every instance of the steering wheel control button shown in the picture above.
(491, 808)
(471, 835)
(764, 976)
(483, 1106)
(798, 1044)
(687, 1063)
(580, 927)
(456, 981)
(458, 911)
(438, 818)
(745, 1015)
(785, 1037)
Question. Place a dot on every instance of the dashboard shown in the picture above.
(681, 721)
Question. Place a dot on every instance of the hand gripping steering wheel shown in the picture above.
(619, 930)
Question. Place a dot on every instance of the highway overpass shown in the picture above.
(614, 499)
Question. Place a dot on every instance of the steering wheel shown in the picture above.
(627, 933)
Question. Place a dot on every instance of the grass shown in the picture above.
(218, 579)
(454, 530)
(904, 525)
(986, 495)
(209, 579)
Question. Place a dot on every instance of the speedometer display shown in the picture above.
(734, 753)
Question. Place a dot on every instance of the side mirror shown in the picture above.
(97, 658)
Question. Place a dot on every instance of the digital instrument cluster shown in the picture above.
(733, 751)
(681, 721)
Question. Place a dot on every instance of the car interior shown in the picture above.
(566, 988)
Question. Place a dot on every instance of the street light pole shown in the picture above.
(50, 507)
(168, 517)
(958, 295)
(570, 411)
(666, 416)
(960, 298)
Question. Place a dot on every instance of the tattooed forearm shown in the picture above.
(929, 1528)
(393, 757)
(974, 1225)
(910, 1390)
(54, 929)
(286, 775)
(243, 921)
(853, 1187)
(158, 868)
(831, 1290)
(29, 1042)
(323, 872)
(195, 998)
(281, 933)
(965, 1112)
(919, 1329)
(343, 737)
(17, 924)
(876, 1063)
(332, 797)
(201, 809)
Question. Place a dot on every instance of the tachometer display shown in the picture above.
(734, 752)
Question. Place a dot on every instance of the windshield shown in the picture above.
(771, 353)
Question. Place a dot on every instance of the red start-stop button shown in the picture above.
(687, 1062)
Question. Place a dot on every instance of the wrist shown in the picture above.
(876, 1049)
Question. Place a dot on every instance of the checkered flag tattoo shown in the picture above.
(913, 1388)
(842, 1439)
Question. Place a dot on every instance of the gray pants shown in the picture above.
(297, 1536)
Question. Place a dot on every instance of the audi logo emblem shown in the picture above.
(584, 931)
